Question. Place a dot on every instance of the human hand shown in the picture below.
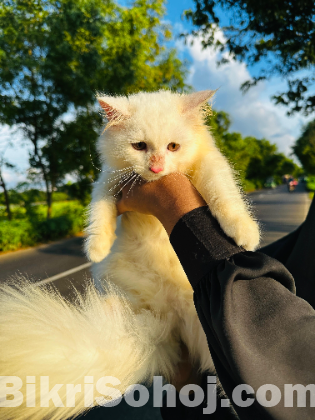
(167, 198)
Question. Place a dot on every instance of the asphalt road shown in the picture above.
(278, 211)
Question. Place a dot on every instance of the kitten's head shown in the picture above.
(153, 133)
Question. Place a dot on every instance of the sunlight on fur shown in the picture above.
(43, 335)
(133, 329)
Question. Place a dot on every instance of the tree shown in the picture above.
(54, 55)
(253, 159)
(304, 148)
(5, 163)
(280, 35)
(73, 151)
(237, 149)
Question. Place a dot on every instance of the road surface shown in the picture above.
(279, 212)
(63, 262)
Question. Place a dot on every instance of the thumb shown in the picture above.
(120, 204)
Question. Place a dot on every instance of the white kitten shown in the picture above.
(168, 131)
(152, 135)
(134, 331)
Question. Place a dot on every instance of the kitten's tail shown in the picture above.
(55, 353)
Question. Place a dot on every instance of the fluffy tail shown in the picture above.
(54, 353)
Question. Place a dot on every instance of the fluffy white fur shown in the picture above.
(134, 330)
(142, 262)
(42, 335)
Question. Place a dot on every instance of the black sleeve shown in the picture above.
(296, 251)
(259, 332)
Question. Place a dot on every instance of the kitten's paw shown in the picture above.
(244, 230)
(97, 247)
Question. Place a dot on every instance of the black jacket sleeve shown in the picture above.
(259, 332)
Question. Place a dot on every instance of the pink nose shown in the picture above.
(156, 170)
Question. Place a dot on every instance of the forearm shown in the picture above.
(174, 208)
(258, 331)
(168, 199)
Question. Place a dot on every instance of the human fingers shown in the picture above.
(131, 196)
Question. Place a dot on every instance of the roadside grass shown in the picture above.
(30, 227)
(310, 186)
(310, 183)
(249, 186)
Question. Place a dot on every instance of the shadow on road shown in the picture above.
(72, 246)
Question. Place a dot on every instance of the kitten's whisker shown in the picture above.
(115, 175)
(128, 168)
(134, 181)
(123, 169)
(129, 179)
(120, 176)
(123, 179)
(94, 165)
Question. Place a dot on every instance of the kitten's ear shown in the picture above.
(115, 108)
(193, 101)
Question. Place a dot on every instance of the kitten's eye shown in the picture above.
(139, 146)
(173, 147)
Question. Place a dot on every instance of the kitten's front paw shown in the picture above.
(244, 230)
(97, 247)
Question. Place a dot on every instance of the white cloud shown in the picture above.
(16, 152)
(12, 179)
(253, 113)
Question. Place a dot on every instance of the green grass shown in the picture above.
(248, 186)
(30, 227)
(16, 234)
(310, 183)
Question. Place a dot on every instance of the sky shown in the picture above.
(252, 114)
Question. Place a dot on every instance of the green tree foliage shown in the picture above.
(73, 148)
(304, 148)
(254, 160)
(232, 145)
(54, 55)
(5, 164)
(280, 35)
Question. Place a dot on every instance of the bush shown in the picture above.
(60, 226)
(18, 212)
(16, 234)
(310, 183)
(60, 196)
(68, 219)
(248, 186)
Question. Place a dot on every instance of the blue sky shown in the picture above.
(252, 114)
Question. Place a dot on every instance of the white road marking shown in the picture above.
(64, 274)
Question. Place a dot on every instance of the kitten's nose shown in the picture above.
(155, 170)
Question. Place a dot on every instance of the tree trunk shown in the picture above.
(6, 196)
(49, 191)
(49, 203)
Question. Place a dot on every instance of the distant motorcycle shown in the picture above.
(292, 183)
